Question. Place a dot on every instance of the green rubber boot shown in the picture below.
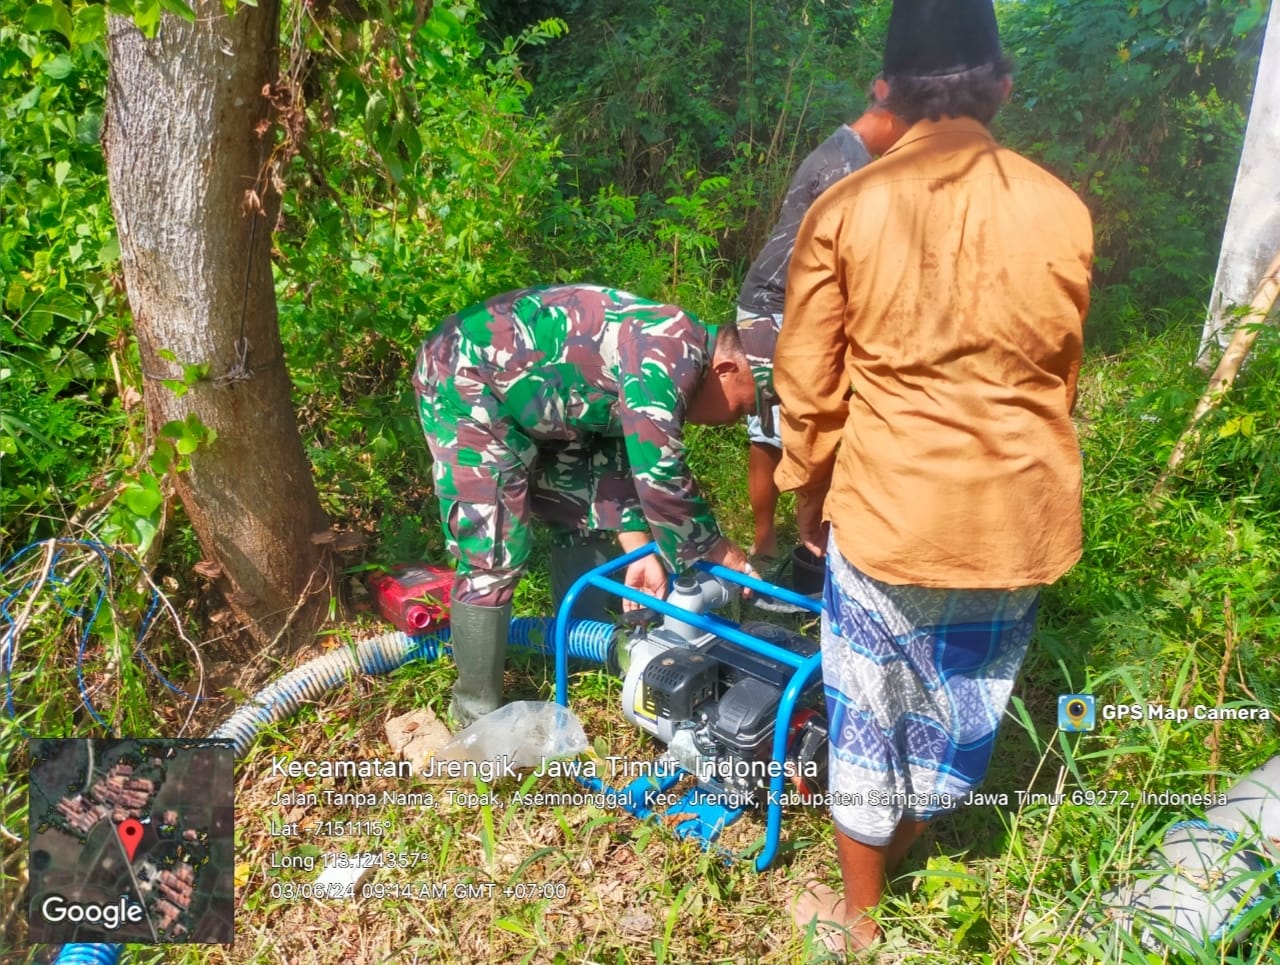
(571, 556)
(479, 638)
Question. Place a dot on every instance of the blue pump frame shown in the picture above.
(711, 816)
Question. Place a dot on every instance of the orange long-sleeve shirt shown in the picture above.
(928, 363)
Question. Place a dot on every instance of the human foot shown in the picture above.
(822, 909)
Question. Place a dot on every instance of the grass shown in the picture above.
(1175, 602)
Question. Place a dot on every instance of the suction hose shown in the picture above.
(81, 954)
(588, 640)
(1198, 887)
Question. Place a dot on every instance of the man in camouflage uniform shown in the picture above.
(568, 403)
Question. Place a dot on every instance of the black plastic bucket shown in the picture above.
(807, 571)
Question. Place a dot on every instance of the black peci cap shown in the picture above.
(932, 37)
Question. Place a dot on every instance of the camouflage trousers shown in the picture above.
(492, 478)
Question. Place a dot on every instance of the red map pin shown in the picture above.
(130, 832)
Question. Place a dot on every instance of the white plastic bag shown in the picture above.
(520, 735)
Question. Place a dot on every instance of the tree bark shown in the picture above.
(188, 148)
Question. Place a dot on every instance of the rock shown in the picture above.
(416, 736)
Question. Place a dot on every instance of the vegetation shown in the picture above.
(439, 153)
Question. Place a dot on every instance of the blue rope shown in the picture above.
(87, 613)
(88, 630)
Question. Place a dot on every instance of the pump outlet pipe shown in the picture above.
(1198, 888)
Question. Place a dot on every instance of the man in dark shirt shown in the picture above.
(764, 291)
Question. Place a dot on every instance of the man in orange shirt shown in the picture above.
(927, 372)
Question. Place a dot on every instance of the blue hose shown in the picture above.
(588, 640)
(89, 954)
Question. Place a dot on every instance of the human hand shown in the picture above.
(729, 554)
(648, 575)
(809, 523)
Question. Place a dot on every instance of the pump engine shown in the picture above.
(715, 704)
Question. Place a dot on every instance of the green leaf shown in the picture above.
(374, 114)
(172, 429)
(193, 425)
(179, 9)
(516, 927)
(442, 24)
(38, 18)
(89, 126)
(90, 24)
(78, 365)
(146, 530)
(37, 323)
(110, 251)
(13, 296)
(143, 496)
(59, 67)
(395, 167)
(1246, 20)
(161, 460)
(62, 19)
(146, 16)
(388, 139)
(412, 142)
(194, 372)
(186, 445)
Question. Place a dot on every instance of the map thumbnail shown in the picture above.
(95, 878)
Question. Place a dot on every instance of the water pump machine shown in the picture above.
(738, 706)
(715, 703)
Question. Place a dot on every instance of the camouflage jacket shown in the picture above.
(568, 361)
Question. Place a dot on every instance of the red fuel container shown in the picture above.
(414, 597)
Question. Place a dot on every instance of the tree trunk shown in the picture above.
(188, 151)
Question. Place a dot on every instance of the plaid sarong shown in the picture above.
(916, 680)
